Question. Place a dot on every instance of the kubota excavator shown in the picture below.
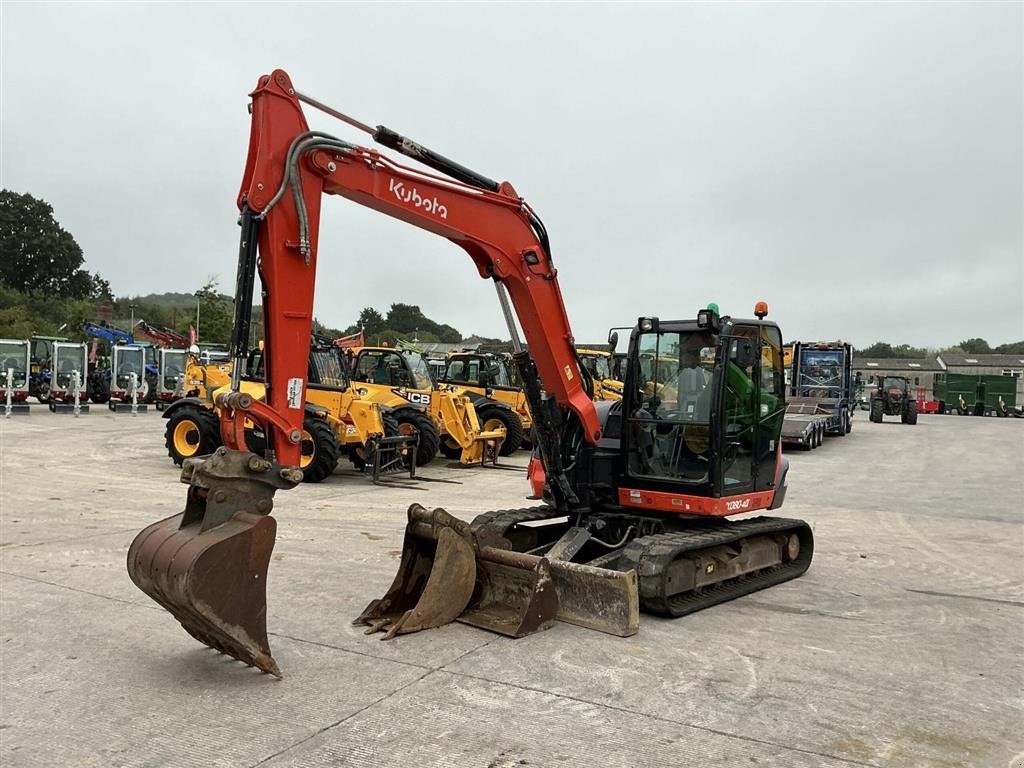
(636, 489)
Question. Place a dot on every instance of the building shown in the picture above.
(920, 371)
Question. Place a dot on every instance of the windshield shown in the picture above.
(173, 367)
(13, 355)
(393, 368)
(420, 371)
(821, 368)
(67, 361)
(893, 382)
(128, 360)
(471, 370)
(675, 370)
(327, 367)
(598, 366)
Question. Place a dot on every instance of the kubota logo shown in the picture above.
(430, 205)
(740, 504)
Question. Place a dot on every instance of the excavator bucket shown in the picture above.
(208, 565)
(514, 593)
(446, 575)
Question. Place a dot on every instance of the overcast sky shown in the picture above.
(857, 166)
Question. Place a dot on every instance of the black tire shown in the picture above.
(151, 386)
(509, 422)
(43, 393)
(320, 450)
(449, 448)
(910, 415)
(876, 411)
(191, 431)
(410, 419)
(849, 422)
(844, 420)
(99, 390)
(357, 453)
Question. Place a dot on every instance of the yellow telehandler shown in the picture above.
(337, 419)
(491, 375)
(443, 417)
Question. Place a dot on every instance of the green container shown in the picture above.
(979, 393)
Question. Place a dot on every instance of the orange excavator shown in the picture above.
(636, 491)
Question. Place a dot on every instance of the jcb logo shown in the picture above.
(420, 398)
(731, 506)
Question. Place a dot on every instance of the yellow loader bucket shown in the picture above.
(446, 575)
(208, 565)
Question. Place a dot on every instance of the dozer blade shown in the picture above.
(208, 565)
(597, 598)
(446, 575)
(435, 578)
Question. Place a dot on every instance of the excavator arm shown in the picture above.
(162, 335)
(288, 170)
(208, 565)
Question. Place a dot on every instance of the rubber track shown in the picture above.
(501, 520)
(651, 556)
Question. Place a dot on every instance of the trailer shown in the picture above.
(821, 393)
(807, 422)
(976, 394)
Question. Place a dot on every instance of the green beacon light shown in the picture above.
(714, 307)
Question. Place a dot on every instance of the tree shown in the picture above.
(1011, 348)
(976, 347)
(216, 313)
(36, 253)
(878, 349)
(370, 321)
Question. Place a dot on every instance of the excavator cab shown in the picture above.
(703, 407)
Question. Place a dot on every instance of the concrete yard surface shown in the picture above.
(902, 646)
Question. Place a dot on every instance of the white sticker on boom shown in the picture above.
(295, 393)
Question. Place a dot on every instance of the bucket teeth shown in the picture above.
(214, 584)
(435, 578)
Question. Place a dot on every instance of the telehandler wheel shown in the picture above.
(357, 453)
(319, 449)
(849, 423)
(500, 418)
(191, 431)
(410, 420)
(449, 448)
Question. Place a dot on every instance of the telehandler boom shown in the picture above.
(636, 489)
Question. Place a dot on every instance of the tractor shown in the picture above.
(892, 398)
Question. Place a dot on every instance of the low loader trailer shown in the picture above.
(808, 420)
